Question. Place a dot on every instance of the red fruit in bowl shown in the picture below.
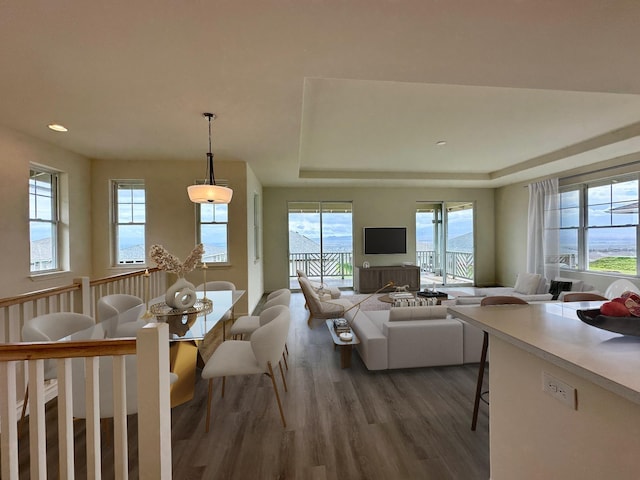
(619, 300)
(629, 295)
(614, 309)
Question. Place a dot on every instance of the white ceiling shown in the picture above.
(331, 91)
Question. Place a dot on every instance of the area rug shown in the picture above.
(368, 304)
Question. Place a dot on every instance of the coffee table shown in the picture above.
(344, 347)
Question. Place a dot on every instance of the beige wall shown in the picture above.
(17, 151)
(255, 280)
(171, 216)
(512, 205)
(374, 207)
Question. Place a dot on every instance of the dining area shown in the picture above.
(100, 365)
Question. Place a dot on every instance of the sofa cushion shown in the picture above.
(417, 313)
(527, 283)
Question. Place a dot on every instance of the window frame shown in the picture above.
(115, 223)
(200, 223)
(584, 227)
(54, 222)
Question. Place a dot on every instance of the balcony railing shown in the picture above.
(458, 264)
(337, 264)
(340, 264)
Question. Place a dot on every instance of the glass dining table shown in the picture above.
(187, 329)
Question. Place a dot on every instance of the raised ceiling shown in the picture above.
(332, 92)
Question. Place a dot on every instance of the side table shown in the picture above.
(344, 347)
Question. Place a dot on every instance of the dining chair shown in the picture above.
(246, 324)
(122, 311)
(217, 285)
(51, 327)
(618, 287)
(105, 388)
(250, 357)
(494, 300)
(583, 297)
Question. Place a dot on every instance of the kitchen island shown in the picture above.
(564, 396)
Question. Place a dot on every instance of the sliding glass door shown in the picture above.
(444, 243)
(321, 242)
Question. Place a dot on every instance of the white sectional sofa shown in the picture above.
(531, 288)
(407, 337)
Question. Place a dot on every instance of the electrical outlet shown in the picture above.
(559, 390)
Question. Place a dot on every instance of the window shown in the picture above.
(43, 220)
(129, 218)
(212, 221)
(445, 242)
(599, 226)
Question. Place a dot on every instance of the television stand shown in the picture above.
(368, 280)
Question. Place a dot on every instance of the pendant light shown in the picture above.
(209, 192)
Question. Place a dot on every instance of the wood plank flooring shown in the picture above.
(341, 424)
(351, 423)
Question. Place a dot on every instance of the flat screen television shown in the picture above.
(385, 240)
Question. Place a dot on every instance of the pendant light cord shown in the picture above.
(212, 180)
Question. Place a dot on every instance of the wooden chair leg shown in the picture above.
(224, 380)
(285, 360)
(206, 429)
(284, 382)
(275, 389)
(24, 409)
(483, 359)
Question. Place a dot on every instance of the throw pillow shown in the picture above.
(557, 287)
(576, 285)
(527, 283)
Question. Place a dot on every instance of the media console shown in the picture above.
(368, 280)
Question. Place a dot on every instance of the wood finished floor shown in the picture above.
(341, 424)
(347, 424)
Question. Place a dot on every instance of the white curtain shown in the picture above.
(543, 247)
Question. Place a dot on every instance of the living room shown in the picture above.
(279, 75)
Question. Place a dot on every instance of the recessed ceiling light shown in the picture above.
(441, 143)
(58, 128)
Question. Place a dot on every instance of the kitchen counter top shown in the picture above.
(553, 332)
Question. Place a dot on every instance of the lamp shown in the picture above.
(209, 192)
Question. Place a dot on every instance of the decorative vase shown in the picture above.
(181, 295)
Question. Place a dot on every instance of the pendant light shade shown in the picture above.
(209, 192)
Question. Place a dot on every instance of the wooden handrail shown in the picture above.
(120, 276)
(72, 349)
(32, 296)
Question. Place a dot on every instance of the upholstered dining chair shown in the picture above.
(255, 356)
(495, 300)
(127, 308)
(217, 285)
(105, 387)
(246, 324)
(319, 308)
(50, 328)
(583, 297)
